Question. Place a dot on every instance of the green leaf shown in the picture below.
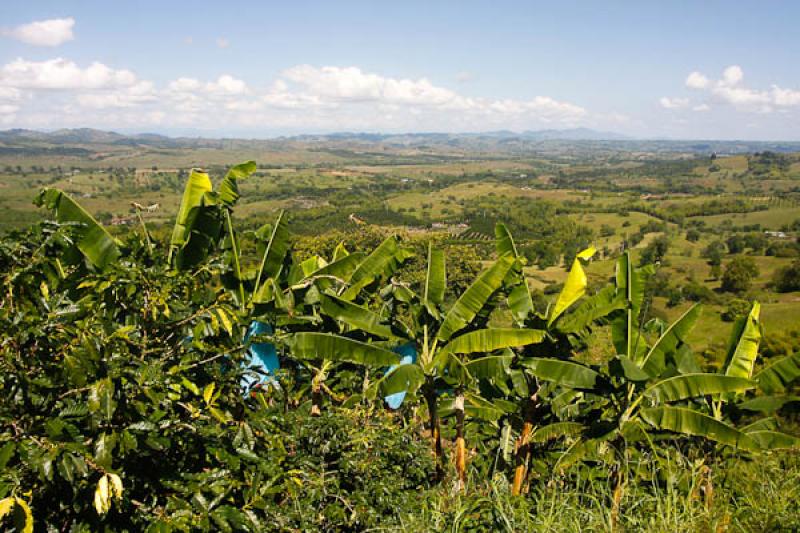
(355, 316)
(382, 262)
(275, 251)
(404, 378)
(767, 404)
(566, 373)
(667, 345)
(229, 188)
(690, 422)
(591, 310)
(473, 300)
(308, 345)
(101, 398)
(574, 287)
(95, 243)
(198, 184)
(778, 375)
(743, 348)
(774, 440)
(696, 385)
(436, 276)
(557, 430)
(492, 367)
(489, 340)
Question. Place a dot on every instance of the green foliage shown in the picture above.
(738, 274)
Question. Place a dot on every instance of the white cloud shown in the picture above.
(62, 74)
(673, 103)
(701, 108)
(785, 97)
(58, 92)
(696, 80)
(222, 42)
(227, 84)
(142, 92)
(729, 89)
(732, 75)
(52, 32)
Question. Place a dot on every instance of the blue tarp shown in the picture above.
(408, 356)
(261, 356)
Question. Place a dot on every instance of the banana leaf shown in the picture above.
(743, 347)
(95, 243)
(574, 287)
(489, 340)
(436, 277)
(310, 345)
(473, 300)
(229, 188)
(696, 385)
(778, 375)
(676, 334)
(566, 373)
(690, 422)
(382, 262)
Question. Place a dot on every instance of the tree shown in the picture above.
(655, 251)
(739, 274)
(787, 279)
(693, 235)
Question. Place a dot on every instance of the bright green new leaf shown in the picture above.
(229, 188)
(743, 348)
(436, 276)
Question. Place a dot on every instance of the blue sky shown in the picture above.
(670, 69)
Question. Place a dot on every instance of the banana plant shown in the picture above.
(566, 324)
(646, 388)
(455, 346)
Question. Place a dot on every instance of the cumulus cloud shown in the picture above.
(673, 103)
(730, 89)
(62, 74)
(701, 108)
(52, 32)
(304, 97)
(695, 80)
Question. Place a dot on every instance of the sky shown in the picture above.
(677, 69)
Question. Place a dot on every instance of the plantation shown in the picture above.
(214, 377)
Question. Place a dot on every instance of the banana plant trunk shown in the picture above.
(522, 447)
(461, 450)
(436, 431)
(316, 396)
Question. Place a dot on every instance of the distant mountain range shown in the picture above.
(93, 136)
(560, 141)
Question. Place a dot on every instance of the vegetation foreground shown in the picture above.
(219, 380)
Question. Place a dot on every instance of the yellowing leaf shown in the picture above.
(6, 504)
(102, 498)
(28, 528)
(116, 485)
(574, 287)
(208, 393)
